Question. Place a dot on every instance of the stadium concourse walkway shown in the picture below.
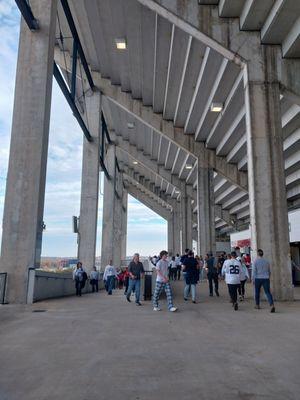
(101, 347)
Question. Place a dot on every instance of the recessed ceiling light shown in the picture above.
(121, 43)
(130, 125)
(135, 162)
(176, 191)
(188, 166)
(216, 107)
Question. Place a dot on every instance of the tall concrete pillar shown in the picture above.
(267, 190)
(107, 247)
(206, 241)
(124, 224)
(25, 188)
(176, 226)
(189, 223)
(118, 215)
(90, 185)
(183, 218)
(171, 235)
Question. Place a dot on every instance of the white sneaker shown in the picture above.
(156, 309)
(173, 309)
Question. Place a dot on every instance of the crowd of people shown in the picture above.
(235, 268)
(113, 278)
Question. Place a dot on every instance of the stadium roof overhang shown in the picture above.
(172, 91)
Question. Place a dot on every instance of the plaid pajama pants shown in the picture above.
(159, 287)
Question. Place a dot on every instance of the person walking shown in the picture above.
(162, 283)
(232, 269)
(182, 259)
(220, 263)
(295, 268)
(110, 274)
(212, 274)
(173, 269)
(94, 278)
(178, 264)
(126, 280)
(191, 268)
(261, 272)
(244, 277)
(78, 277)
(136, 271)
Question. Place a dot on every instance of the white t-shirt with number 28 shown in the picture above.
(232, 269)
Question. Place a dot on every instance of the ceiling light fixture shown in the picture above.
(188, 166)
(216, 107)
(135, 162)
(130, 125)
(121, 43)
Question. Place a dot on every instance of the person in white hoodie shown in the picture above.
(109, 276)
(244, 277)
(232, 270)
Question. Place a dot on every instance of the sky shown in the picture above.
(146, 232)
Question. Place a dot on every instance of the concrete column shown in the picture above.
(206, 241)
(124, 224)
(176, 226)
(189, 223)
(118, 214)
(183, 218)
(90, 185)
(267, 190)
(107, 247)
(25, 188)
(171, 235)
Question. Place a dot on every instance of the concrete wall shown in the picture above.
(223, 246)
(46, 285)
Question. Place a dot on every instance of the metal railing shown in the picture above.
(3, 280)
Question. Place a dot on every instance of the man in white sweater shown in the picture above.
(110, 273)
(232, 269)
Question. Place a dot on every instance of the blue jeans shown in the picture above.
(110, 284)
(265, 283)
(188, 289)
(136, 285)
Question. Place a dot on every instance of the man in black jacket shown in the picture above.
(212, 274)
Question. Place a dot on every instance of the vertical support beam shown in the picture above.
(267, 190)
(183, 218)
(74, 69)
(25, 189)
(206, 241)
(171, 236)
(107, 247)
(176, 226)
(189, 223)
(124, 224)
(90, 184)
(118, 210)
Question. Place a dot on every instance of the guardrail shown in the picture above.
(3, 281)
(44, 285)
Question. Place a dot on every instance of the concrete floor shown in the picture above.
(101, 347)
